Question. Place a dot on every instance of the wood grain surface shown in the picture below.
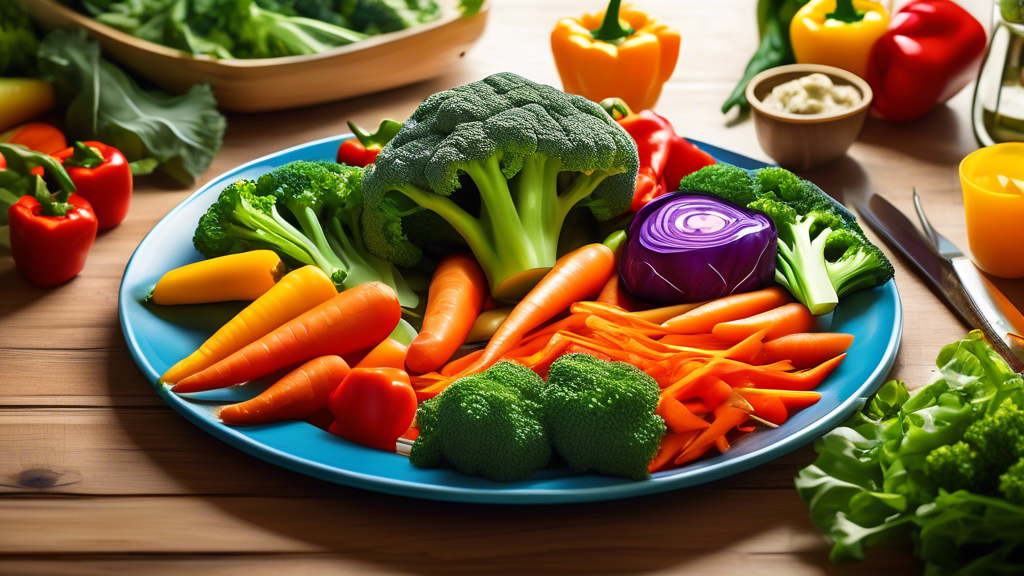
(98, 476)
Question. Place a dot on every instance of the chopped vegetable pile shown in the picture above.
(944, 463)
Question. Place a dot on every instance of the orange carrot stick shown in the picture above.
(786, 319)
(457, 293)
(758, 377)
(576, 276)
(666, 313)
(678, 417)
(299, 394)
(716, 393)
(355, 319)
(671, 446)
(806, 350)
(768, 407)
(726, 418)
(613, 293)
(388, 354)
(701, 320)
(792, 399)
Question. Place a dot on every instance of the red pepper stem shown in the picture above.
(85, 156)
(611, 29)
(616, 108)
(58, 207)
(845, 12)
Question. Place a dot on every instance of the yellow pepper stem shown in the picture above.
(611, 28)
(845, 12)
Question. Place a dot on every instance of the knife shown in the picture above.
(972, 297)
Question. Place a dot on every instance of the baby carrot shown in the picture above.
(296, 293)
(354, 319)
(388, 354)
(786, 319)
(457, 293)
(242, 276)
(702, 319)
(806, 350)
(299, 394)
(577, 276)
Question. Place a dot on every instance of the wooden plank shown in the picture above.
(101, 377)
(134, 451)
(805, 562)
(639, 535)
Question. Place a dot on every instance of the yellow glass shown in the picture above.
(995, 208)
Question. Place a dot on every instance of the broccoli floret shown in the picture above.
(18, 42)
(600, 415)
(531, 152)
(957, 467)
(854, 263)
(325, 200)
(724, 180)
(996, 436)
(1011, 483)
(489, 424)
(382, 16)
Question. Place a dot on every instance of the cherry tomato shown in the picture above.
(373, 406)
(353, 153)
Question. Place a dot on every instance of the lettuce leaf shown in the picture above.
(183, 133)
(868, 483)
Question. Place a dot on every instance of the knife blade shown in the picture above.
(941, 275)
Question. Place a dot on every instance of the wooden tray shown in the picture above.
(264, 84)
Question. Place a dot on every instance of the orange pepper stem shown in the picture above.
(611, 29)
(845, 12)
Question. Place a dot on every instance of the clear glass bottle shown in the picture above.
(998, 111)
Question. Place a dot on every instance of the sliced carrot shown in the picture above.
(792, 400)
(671, 446)
(716, 393)
(354, 319)
(768, 407)
(786, 319)
(696, 407)
(613, 293)
(299, 394)
(388, 354)
(678, 417)
(757, 377)
(722, 444)
(703, 319)
(806, 350)
(726, 418)
(705, 341)
(664, 314)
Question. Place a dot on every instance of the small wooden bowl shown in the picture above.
(806, 141)
(264, 84)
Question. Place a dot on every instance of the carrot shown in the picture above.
(705, 341)
(807, 349)
(242, 276)
(758, 377)
(768, 407)
(355, 319)
(388, 354)
(671, 446)
(296, 293)
(722, 444)
(716, 393)
(613, 293)
(702, 319)
(299, 394)
(791, 399)
(726, 418)
(786, 319)
(457, 293)
(576, 276)
(678, 417)
(666, 313)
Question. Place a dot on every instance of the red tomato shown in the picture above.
(373, 406)
(353, 153)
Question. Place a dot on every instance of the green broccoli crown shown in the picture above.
(531, 153)
(780, 212)
(1011, 483)
(300, 185)
(853, 263)
(957, 467)
(725, 180)
(600, 415)
(489, 424)
(997, 436)
(382, 16)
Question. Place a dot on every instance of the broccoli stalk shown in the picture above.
(527, 152)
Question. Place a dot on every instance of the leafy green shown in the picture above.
(880, 474)
(383, 16)
(470, 7)
(18, 42)
(183, 132)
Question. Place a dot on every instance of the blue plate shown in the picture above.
(160, 336)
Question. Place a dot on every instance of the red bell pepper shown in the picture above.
(50, 239)
(3, 162)
(102, 176)
(933, 48)
(373, 406)
(665, 157)
(363, 149)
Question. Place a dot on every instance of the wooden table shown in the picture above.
(99, 476)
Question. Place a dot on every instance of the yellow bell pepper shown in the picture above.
(838, 33)
(617, 53)
(22, 100)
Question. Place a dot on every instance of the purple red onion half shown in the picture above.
(690, 247)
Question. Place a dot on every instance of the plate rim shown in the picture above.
(497, 495)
